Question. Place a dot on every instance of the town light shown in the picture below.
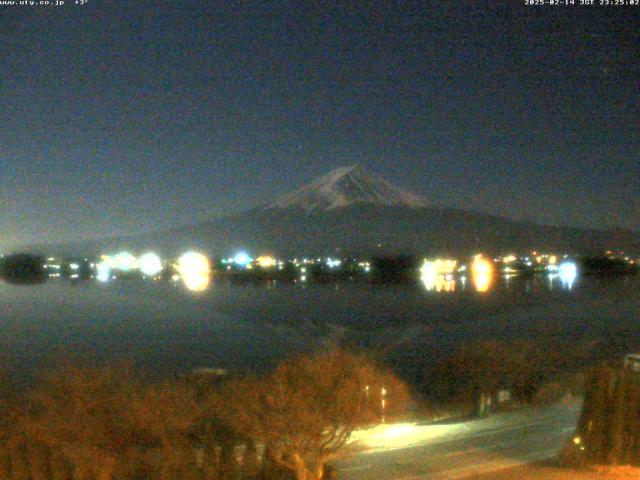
(429, 275)
(438, 274)
(333, 263)
(150, 264)
(103, 271)
(482, 272)
(242, 258)
(266, 261)
(195, 271)
(568, 271)
(125, 262)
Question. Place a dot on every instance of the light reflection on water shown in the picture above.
(439, 283)
(441, 275)
(482, 271)
(438, 275)
(487, 284)
(195, 271)
(431, 279)
(165, 327)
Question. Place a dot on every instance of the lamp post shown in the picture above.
(383, 401)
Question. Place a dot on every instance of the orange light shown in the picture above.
(438, 275)
(195, 271)
(482, 272)
(266, 261)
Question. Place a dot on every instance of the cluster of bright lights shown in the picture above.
(333, 262)
(620, 255)
(482, 273)
(438, 275)
(534, 258)
(266, 261)
(366, 266)
(53, 267)
(150, 264)
(305, 261)
(195, 271)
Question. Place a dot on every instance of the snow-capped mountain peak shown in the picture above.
(346, 186)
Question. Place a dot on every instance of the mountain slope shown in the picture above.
(353, 212)
(347, 186)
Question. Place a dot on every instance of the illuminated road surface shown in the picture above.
(415, 452)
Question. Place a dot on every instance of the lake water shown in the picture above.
(165, 329)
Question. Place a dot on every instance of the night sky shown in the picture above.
(119, 117)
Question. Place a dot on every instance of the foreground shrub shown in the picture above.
(485, 367)
(306, 410)
(84, 417)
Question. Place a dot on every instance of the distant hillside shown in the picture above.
(353, 212)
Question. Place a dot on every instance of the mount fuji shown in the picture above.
(346, 186)
(352, 211)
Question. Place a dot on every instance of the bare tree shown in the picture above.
(84, 415)
(170, 412)
(307, 409)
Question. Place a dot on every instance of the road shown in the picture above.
(463, 449)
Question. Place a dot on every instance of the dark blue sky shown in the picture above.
(120, 116)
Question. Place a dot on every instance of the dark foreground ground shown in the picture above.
(550, 470)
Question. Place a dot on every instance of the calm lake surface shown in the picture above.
(165, 329)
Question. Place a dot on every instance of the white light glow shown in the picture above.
(438, 275)
(568, 271)
(429, 275)
(266, 261)
(103, 272)
(150, 264)
(242, 258)
(195, 271)
(333, 263)
(396, 436)
(125, 262)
